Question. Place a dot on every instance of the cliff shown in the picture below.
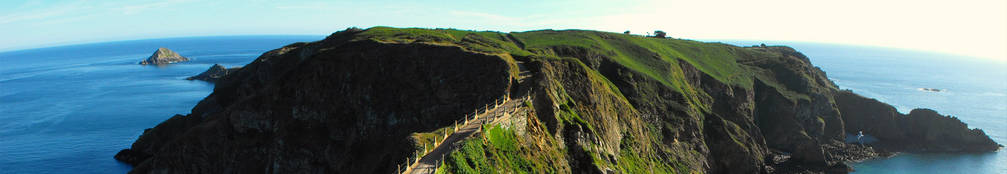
(214, 74)
(922, 130)
(369, 101)
(163, 56)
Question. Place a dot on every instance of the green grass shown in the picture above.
(654, 57)
(499, 150)
(635, 157)
(651, 56)
(569, 116)
(479, 41)
(405, 35)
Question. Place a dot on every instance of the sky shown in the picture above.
(975, 28)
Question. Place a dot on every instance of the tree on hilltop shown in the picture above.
(660, 34)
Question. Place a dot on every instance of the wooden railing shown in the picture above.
(412, 162)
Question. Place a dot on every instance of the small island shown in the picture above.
(163, 56)
(214, 74)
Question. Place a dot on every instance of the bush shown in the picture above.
(660, 34)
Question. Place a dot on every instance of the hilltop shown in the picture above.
(368, 101)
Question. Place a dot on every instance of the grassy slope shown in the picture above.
(635, 52)
(499, 149)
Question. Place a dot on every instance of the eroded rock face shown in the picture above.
(214, 74)
(163, 56)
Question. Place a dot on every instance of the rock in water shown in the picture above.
(214, 74)
(163, 56)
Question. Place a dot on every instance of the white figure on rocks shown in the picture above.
(860, 137)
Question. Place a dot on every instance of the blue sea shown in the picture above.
(69, 109)
(974, 90)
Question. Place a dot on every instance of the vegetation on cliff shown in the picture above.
(364, 101)
(214, 74)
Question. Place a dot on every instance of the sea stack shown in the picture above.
(215, 73)
(163, 56)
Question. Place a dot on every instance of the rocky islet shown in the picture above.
(163, 56)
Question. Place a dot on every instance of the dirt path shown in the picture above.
(430, 162)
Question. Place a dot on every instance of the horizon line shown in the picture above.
(66, 44)
(712, 40)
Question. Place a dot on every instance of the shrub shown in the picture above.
(660, 34)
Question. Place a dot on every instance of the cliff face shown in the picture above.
(922, 130)
(362, 101)
(325, 108)
(163, 56)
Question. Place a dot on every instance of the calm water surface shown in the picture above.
(70, 109)
(975, 91)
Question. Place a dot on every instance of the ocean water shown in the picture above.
(70, 109)
(974, 90)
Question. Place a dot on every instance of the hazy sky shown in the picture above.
(967, 27)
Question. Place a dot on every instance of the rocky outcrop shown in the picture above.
(922, 130)
(359, 101)
(163, 56)
(214, 74)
